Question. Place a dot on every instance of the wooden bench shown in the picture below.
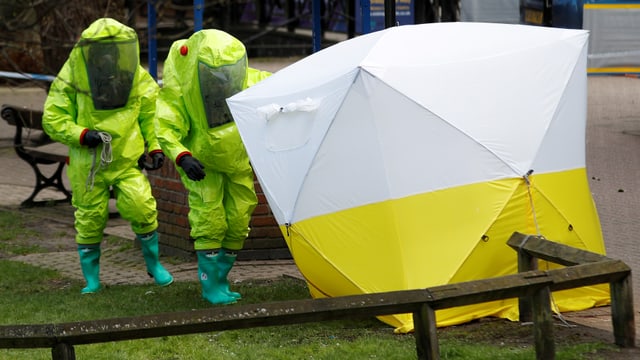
(37, 149)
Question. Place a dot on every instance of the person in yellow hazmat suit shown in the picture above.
(196, 130)
(101, 105)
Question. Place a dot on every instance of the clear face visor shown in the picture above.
(110, 68)
(216, 85)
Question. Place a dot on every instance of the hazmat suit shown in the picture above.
(196, 130)
(101, 105)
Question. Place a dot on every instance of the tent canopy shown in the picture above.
(405, 158)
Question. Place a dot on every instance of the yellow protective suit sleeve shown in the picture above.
(148, 92)
(60, 108)
(254, 76)
(172, 120)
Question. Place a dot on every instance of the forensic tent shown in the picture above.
(407, 157)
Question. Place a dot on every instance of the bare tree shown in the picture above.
(36, 36)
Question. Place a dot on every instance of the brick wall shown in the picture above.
(265, 240)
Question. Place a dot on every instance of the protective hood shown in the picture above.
(221, 72)
(110, 54)
(218, 83)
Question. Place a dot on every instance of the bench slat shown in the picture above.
(55, 152)
(28, 118)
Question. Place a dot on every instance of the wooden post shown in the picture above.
(622, 317)
(526, 263)
(62, 351)
(425, 331)
(543, 325)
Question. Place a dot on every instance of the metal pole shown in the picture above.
(198, 10)
(317, 25)
(152, 39)
(419, 12)
(389, 13)
(365, 8)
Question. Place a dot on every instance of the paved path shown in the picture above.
(613, 165)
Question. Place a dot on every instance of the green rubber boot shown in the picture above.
(149, 243)
(209, 276)
(225, 263)
(90, 264)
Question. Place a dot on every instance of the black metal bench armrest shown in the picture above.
(37, 150)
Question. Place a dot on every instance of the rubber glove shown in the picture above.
(192, 167)
(92, 139)
(157, 160)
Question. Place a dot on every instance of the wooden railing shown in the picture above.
(583, 268)
(531, 286)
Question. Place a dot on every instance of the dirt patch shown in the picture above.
(26, 231)
(505, 333)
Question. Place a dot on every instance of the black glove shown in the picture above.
(92, 139)
(157, 159)
(142, 162)
(192, 167)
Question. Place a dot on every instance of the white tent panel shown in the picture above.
(493, 90)
(365, 158)
(475, 90)
(567, 130)
(285, 148)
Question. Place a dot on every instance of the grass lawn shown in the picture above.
(32, 295)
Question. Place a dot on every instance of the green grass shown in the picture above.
(11, 226)
(32, 295)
